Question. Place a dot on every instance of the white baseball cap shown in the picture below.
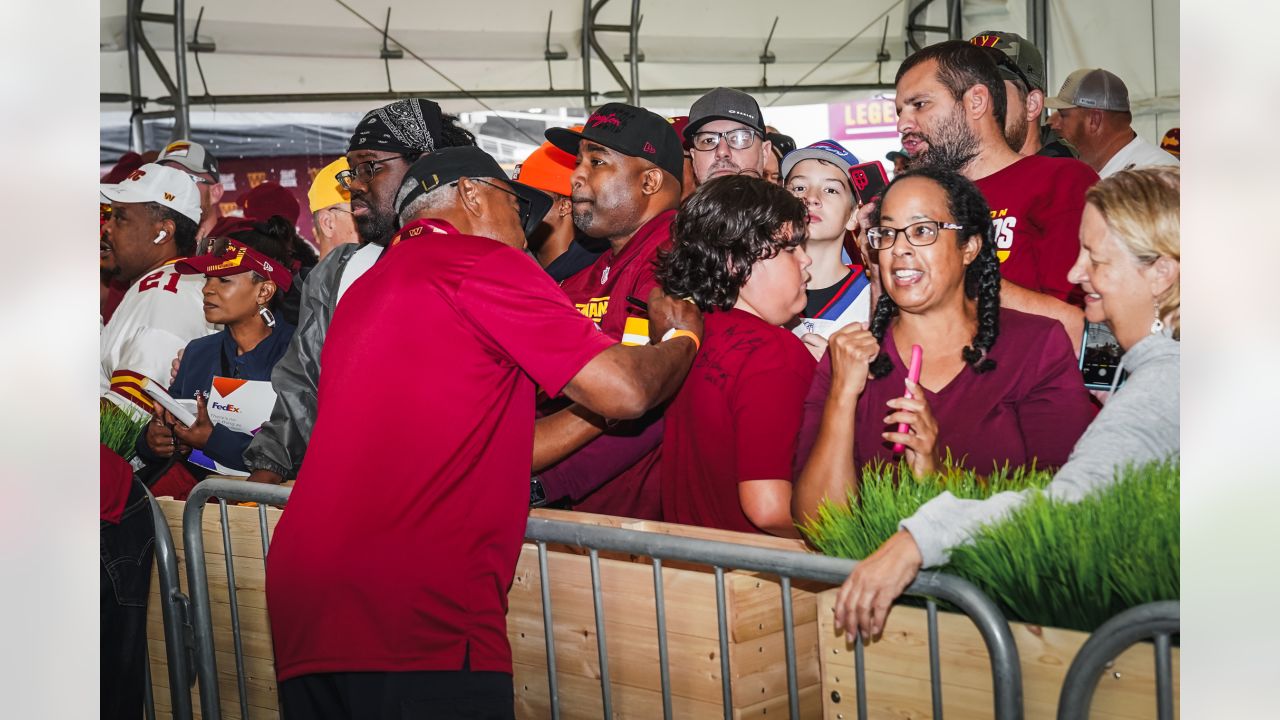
(162, 185)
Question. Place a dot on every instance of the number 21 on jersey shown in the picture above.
(153, 281)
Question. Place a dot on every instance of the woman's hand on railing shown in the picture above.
(865, 598)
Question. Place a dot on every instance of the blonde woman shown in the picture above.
(1129, 269)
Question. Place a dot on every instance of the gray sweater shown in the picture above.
(1138, 424)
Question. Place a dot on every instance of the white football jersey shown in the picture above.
(158, 316)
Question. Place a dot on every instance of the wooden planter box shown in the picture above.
(897, 670)
(754, 614)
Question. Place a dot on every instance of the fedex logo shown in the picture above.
(225, 407)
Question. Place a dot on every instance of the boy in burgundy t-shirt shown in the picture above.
(731, 430)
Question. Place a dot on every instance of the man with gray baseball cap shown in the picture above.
(197, 162)
(727, 134)
(1093, 114)
(1022, 67)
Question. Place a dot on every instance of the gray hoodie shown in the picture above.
(1138, 424)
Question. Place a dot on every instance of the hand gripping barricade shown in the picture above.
(254, 684)
(1157, 621)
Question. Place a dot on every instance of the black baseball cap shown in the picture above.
(448, 165)
(725, 104)
(630, 130)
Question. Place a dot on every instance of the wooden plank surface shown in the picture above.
(897, 669)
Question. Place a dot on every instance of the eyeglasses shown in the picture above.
(200, 180)
(364, 171)
(918, 234)
(738, 139)
(104, 213)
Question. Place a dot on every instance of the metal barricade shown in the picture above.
(787, 565)
(1006, 671)
(1158, 621)
(198, 581)
(175, 608)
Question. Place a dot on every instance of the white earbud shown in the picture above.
(160, 238)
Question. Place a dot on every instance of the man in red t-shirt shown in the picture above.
(625, 189)
(951, 108)
(388, 573)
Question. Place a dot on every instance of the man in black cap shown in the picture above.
(388, 574)
(727, 133)
(1022, 68)
(385, 143)
(626, 188)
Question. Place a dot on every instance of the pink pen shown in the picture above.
(913, 373)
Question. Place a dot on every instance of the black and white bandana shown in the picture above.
(404, 126)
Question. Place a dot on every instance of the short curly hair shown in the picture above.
(981, 279)
(722, 229)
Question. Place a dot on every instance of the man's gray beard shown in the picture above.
(583, 220)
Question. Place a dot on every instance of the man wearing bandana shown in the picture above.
(383, 147)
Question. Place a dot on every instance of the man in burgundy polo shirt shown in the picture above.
(388, 573)
(625, 189)
(951, 108)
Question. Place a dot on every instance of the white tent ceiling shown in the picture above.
(288, 47)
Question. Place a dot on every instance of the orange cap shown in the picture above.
(548, 168)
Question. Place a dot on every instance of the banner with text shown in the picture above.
(863, 120)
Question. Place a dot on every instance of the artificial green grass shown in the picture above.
(1070, 565)
(118, 430)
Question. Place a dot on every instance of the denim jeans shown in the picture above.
(127, 551)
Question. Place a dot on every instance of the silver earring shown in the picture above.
(1157, 325)
(268, 318)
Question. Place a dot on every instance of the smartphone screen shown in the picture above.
(868, 180)
(1100, 357)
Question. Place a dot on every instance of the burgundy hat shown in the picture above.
(237, 258)
(267, 199)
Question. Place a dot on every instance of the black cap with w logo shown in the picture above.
(629, 130)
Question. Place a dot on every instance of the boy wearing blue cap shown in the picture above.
(838, 293)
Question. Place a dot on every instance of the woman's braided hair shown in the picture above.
(981, 278)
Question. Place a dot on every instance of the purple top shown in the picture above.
(1033, 405)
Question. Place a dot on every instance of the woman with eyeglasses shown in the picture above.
(246, 273)
(1130, 268)
(996, 386)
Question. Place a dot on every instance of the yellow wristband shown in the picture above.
(675, 333)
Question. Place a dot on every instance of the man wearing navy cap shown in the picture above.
(388, 574)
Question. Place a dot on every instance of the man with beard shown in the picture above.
(383, 147)
(727, 135)
(951, 111)
(625, 189)
(1022, 68)
(154, 213)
